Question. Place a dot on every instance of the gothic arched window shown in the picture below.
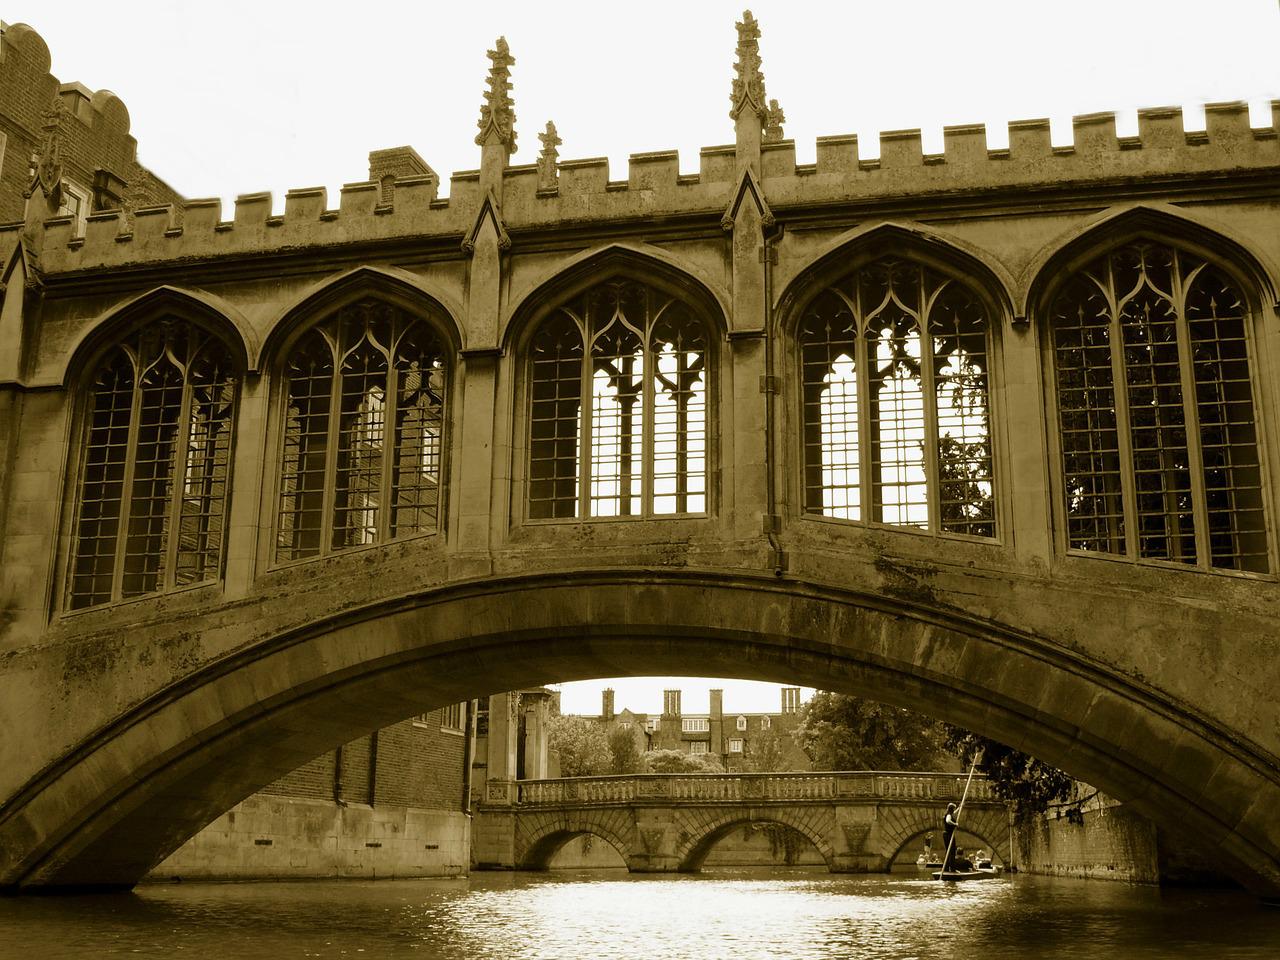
(895, 406)
(151, 503)
(638, 445)
(1165, 466)
(364, 423)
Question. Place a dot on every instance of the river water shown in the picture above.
(597, 915)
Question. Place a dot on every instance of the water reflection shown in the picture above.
(604, 914)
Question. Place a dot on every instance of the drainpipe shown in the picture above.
(774, 519)
(337, 778)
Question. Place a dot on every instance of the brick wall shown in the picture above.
(95, 130)
(418, 765)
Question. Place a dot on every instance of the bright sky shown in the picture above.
(241, 96)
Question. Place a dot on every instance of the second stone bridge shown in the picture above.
(858, 821)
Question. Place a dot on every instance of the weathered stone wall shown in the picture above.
(1113, 843)
(269, 837)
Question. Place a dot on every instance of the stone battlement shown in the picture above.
(584, 191)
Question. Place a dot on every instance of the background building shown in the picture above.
(742, 741)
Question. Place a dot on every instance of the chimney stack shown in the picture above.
(606, 704)
(671, 703)
(790, 699)
(717, 704)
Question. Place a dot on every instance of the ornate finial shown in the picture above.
(773, 121)
(748, 81)
(547, 159)
(48, 168)
(497, 113)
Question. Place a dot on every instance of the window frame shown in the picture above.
(836, 268)
(713, 329)
(107, 342)
(439, 322)
(1247, 288)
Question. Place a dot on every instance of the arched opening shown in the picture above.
(150, 491)
(755, 843)
(364, 377)
(618, 379)
(896, 336)
(579, 846)
(107, 811)
(1160, 453)
(923, 851)
(586, 851)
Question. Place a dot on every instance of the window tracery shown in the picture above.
(895, 401)
(638, 445)
(1155, 403)
(151, 504)
(363, 431)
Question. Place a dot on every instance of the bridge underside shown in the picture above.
(102, 814)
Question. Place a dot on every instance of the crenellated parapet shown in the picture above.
(586, 193)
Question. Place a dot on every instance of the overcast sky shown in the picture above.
(239, 96)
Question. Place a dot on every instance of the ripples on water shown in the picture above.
(597, 915)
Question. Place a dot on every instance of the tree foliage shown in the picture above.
(1030, 785)
(765, 752)
(677, 761)
(624, 755)
(581, 745)
(838, 731)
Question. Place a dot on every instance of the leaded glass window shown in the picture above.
(151, 499)
(618, 406)
(1155, 406)
(895, 401)
(363, 431)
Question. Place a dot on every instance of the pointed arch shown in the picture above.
(1258, 274)
(871, 241)
(206, 310)
(601, 263)
(399, 286)
(1151, 320)
(617, 353)
(894, 335)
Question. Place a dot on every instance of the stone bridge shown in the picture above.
(858, 822)
(884, 446)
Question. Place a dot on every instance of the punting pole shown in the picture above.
(946, 857)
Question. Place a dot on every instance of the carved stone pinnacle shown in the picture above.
(497, 113)
(748, 80)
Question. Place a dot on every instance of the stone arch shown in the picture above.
(143, 769)
(968, 263)
(589, 267)
(903, 824)
(205, 309)
(707, 826)
(540, 834)
(1257, 276)
(400, 286)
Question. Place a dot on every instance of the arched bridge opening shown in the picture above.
(112, 801)
(789, 834)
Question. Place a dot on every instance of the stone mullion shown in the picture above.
(178, 482)
(126, 483)
(1124, 440)
(329, 497)
(929, 401)
(1191, 417)
(390, 445)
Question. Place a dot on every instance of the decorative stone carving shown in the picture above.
(748, 80)
(497, 113)
(773, 121)
(48, 172)
(490, 210)
(547, 160)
